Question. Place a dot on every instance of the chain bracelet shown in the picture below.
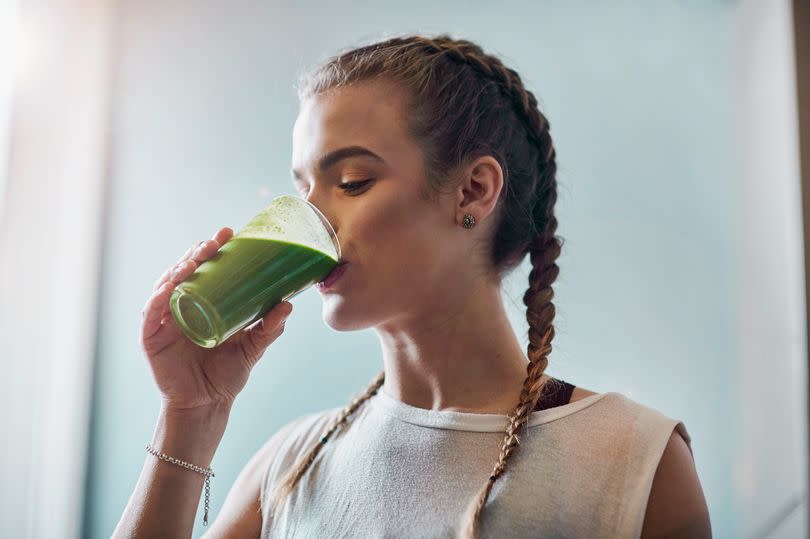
(207, 472)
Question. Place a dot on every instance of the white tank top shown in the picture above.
(583, 469)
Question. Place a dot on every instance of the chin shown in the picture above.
(339, 315)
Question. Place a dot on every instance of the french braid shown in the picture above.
(466, 103)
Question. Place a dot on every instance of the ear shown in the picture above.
(479, 188)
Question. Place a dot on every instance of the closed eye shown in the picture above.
(354, 186)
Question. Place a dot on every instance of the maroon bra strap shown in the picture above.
(554, 395)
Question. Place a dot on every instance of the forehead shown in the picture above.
(367, 114)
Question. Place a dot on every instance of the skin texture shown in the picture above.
(414, 273)
(676, 507)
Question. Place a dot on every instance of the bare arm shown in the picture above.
(166, 497)
(676, 507)
(198, 386)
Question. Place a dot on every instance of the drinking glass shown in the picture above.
(282, 251)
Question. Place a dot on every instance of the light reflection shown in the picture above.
(17, 44)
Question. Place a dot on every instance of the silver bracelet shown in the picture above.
(207, 472)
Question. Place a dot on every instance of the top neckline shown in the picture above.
(469, 421)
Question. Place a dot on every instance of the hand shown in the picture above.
(190, 376)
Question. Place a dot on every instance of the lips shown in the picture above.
(333, 276)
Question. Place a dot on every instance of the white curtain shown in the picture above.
(51, 226)
(10, 51)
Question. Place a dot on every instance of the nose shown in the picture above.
(325, 211)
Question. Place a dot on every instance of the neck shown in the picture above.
(465, 359)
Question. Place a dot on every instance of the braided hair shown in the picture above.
(464, 104)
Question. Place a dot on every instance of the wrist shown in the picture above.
(210, 413)
(190, 434)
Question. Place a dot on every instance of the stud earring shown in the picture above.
(469, 220)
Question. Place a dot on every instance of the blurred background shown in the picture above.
(130, 130)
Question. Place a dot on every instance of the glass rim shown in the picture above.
(324, 220)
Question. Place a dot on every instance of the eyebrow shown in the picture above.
(340, 154)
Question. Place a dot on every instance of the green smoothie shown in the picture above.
(244, 280)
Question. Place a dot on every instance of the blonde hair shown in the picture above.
(464, 103)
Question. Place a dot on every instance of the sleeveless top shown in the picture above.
(582, 469)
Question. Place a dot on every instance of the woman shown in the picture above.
(437, 171)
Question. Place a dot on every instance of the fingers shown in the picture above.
(197, 254)
(223, 235)
(256, 338)
(155, 309)
(182, 272)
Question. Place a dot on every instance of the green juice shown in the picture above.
(244, 280)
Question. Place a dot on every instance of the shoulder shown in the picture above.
(288, 443)
(296, 435)
(676, 506)
(242, 510)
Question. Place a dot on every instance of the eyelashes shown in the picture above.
(351, 187)
(348, 187)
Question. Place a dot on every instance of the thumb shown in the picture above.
(260, 335)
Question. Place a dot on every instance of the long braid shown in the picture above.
(454, 109)
(544, 251)
(288, 483)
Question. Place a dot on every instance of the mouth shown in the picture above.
(333, 276)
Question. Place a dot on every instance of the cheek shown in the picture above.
(402, 242)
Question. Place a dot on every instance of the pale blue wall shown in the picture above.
(638, 100)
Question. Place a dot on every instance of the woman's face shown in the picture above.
(404, 252)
